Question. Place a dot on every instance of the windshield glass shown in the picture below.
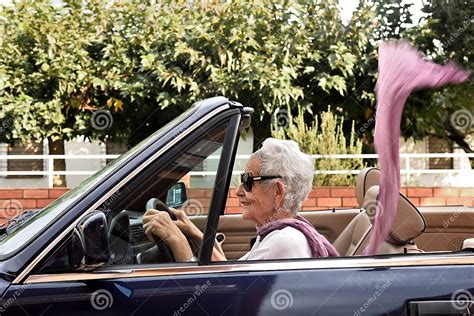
(28, 230)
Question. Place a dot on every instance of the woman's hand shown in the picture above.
(186, 226)
(159, 224)
(192, 232)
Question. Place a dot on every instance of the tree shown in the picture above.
(60, 64)
(448, 33)
(445, 34)
(138, 64)
(324, 138)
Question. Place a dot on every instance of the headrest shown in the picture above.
(366, 179)
(408, 224)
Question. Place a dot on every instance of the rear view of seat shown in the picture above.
(409, 223)
(351, 238)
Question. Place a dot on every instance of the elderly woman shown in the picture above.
(277, 179)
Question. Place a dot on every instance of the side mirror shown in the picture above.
(86, 248)
(177, 195)
(67, 258)
(93, 232)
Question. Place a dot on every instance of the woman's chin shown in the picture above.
(247, 214)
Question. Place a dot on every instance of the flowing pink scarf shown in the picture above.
(319, 245)
(402, 70)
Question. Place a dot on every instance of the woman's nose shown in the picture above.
(240, 190)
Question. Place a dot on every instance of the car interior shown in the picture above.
(415, 230)
(153, 189)
(157, 186)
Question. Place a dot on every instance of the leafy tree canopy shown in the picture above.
(143, 63)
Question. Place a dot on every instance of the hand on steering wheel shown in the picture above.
(186, 226)
(158, 225)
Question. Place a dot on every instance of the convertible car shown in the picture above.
(87, 253)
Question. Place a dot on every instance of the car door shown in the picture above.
(130, 287)
(401, 285)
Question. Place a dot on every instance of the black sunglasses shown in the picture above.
(246, 179)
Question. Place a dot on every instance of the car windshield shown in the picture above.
(26, 230)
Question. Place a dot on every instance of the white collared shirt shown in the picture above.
(283, 243)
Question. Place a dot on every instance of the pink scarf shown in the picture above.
(320, 246)
(402, 70)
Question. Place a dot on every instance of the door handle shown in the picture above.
(220, 238)
(445, 307)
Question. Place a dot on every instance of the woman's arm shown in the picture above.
(181, 249)
(174, 233)
(192, 232)
(217, 255)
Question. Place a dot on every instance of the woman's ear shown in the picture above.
(280, 191)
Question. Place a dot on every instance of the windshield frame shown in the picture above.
(15, 241)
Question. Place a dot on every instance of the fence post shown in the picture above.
(407, 167)
(50, 171)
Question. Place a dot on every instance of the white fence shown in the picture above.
(50, 172)
(406, 162)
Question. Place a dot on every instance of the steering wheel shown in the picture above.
(161, 253)
(120, 239)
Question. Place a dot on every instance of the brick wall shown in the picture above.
(13, 201)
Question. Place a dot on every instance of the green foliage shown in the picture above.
(324, 138)
(146, 62)
(447, 33)
(67, 61)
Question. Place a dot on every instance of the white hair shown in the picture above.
(284, 158)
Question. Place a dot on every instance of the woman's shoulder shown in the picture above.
(287, 243)
(287, 234)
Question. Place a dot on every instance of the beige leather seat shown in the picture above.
(365, 179)
(351, 238)
(409, 222)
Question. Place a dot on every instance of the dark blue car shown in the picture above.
(87, 252)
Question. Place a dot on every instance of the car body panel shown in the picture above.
(446, 227)
(348, 291)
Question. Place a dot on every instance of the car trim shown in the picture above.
(284, 265)
(165, 148)
(221, 188)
